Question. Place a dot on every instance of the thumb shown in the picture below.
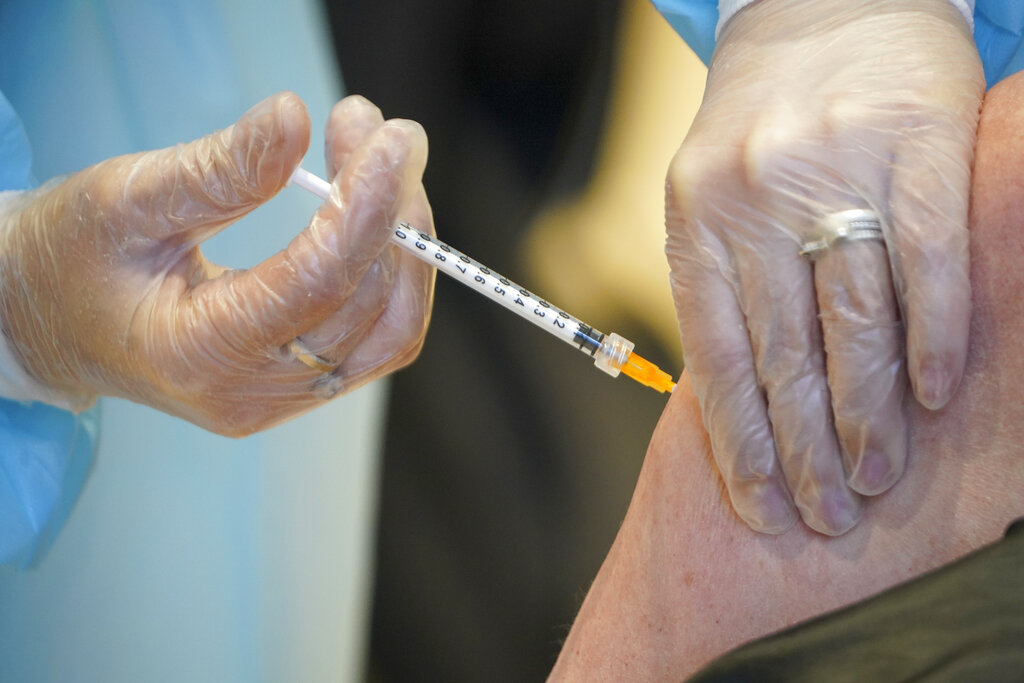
(187, 193)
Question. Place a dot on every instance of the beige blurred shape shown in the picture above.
(600, 255)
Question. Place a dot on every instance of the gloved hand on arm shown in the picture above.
(813, 109)
(104, 289)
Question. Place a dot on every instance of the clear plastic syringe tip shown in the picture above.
(613, 353)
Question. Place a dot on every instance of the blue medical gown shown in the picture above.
(189, 556)
(45, 452)
(998, 31)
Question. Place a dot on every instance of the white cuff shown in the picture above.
(15, 383)
(966, 8)
(728, 8)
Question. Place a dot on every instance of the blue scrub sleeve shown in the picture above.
(45, 452)
(998, 31)
(694, 21)
(15, 156)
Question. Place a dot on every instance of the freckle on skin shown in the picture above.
(688, 579)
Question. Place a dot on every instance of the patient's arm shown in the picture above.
(686, 580)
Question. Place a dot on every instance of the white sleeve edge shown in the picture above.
(966, 8)
(15, 383)
(728, 8)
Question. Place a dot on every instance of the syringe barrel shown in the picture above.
(498, 288)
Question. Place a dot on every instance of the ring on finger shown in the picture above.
(310, 359)
(843, 226)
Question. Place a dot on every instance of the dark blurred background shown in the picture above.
(509, 460)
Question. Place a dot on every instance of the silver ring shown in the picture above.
(844, 226)
(309, 359)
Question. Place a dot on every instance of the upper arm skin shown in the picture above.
(687, 580)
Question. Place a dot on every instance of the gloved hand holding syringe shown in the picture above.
(612, 353)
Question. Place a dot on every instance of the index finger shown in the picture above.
(188, 192)
(928, 248)
(720, 362)
(350, 122)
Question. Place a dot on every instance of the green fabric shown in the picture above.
(964, 622)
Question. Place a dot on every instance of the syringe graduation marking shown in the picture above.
(496, 287)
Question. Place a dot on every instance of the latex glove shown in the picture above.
(104, 290)
(813, 108)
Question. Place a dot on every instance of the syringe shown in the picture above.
(612, 353)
